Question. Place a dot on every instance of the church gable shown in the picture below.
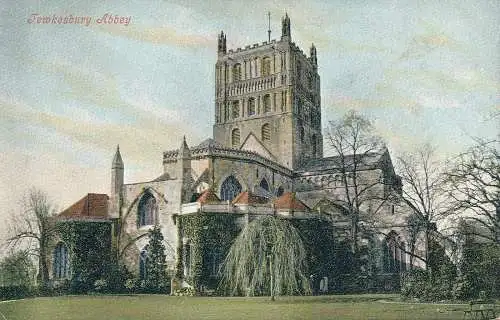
(252, 143)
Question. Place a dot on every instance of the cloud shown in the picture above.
(340, 101)
(163, 35)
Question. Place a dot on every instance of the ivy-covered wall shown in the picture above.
(210, 237)
(89, 244)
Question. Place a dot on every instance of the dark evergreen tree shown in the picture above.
(156, 272)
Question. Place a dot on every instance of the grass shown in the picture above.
(153, 307)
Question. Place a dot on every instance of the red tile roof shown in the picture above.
(249, 198)
(93, 205)
(208, 196)
(289, 201)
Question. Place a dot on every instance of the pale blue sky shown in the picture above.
(424, 70)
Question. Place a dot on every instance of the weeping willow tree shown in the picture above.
(267, 258)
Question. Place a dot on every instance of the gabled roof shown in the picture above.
(252, 143)
(163, 177)
(371, 160)
(93, 205)
(289, 201)
(208, 196)
(208, 143)
(249, 198)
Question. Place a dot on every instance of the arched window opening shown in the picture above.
(143, 259)
(403, 256)
(301, 133)
(299, 71)
(236, 109)
(392, 254)
(61, 262)
(251, 106)
(280, 191)
(313, 143)
(266, 132)
(147, 210)
(237, 72)
(235, 138)
(267, 103)
(266, 66)
(264, 185)
(230, 188)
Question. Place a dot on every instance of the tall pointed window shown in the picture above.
(266, 66)
(264, 185)
(235, 138)
(230, 188)
(61, 264)
(280, 191)
(266, 132)
(237, 72)
(267, 103)
(143, 259)
(251, 106)
(147, 210)
(314, 144)
(236, 109)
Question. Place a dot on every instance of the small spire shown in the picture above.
(117, 159)
(184, 151)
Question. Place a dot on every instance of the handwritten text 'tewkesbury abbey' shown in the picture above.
(107, 18)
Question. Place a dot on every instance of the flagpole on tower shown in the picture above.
(269, 24)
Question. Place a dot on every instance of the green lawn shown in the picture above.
(165, 307)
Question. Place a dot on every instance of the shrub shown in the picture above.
(186, 291)
(100, 285)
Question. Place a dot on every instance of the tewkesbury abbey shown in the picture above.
(265, 158)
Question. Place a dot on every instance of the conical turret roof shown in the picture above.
(117, 159)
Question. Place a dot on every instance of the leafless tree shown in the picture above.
(357, 148)
(423, 193)
(33, 229)
(475, 187)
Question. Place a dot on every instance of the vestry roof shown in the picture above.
(208, 196)
(289, 201)
(249, 198)
(93, 206)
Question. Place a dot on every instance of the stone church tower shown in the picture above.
(267, 99)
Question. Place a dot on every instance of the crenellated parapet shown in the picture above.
(230, 153)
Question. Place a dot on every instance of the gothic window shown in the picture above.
(391, 256)
(61, 262)
(236, 109)
(237, 72)
(299, 71)
(235, 138)
(143, 258)
(264, 185)
(267, 103)
(403, 256)
(314, 146)
(147, 210)
(230, 188)
(251, 106)
(301, 133)
(266, 132)
(280, 191)
(266, 66)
